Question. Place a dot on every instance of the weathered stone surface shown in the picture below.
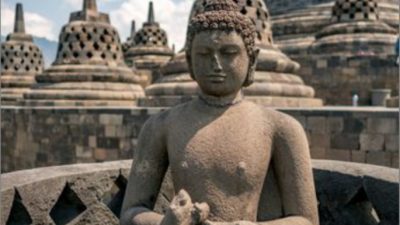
(383, 126)
(358, 156)
(41, 190)
(345, 141)
(379, 158)
(347, 192)
(319, 140)
(338, 154)
(372, 142)
(395, 160)
(316, 125)
(318, 153)
(335, 124)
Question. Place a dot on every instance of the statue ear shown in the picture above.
(189, 64)
(252, 68)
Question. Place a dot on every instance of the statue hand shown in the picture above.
(183, 212)
(200, 212)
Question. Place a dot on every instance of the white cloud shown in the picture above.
(76, 4)
(172, 15)
(35, 24)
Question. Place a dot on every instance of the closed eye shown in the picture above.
(229, 51)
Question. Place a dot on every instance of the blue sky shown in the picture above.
(45, 18)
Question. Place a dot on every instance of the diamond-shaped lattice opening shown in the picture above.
(361, 209)
(18, 213)
(114, 197)
(67, 207)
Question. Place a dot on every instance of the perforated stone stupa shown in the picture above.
(21, 60)
(276, 82)
(354, 54)
(147, 49)
(355, 29)
(89, 68)
(295, 22)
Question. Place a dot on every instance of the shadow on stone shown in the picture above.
(114, 197)
(343, 199)
(18, 214)
(384, 196)
(67, 207)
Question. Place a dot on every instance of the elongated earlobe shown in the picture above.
(189, 64)
(252, 68)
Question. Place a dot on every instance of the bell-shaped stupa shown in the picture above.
(295, 22)
(89, 69)
(275, 84)
(147, 49)
(21, 60)
(354, 54)
(355, 29)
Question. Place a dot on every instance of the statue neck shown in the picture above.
(221, 102)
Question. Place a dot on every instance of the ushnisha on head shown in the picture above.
(224, 15)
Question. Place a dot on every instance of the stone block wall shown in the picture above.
(364, 135)
(39, 137)
(336, 79)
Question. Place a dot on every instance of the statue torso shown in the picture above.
(220, 156)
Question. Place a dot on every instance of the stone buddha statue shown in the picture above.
(231, 161)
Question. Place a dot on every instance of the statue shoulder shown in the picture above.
(283, 124)
(156, 122)
(168, 116)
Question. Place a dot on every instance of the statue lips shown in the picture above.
(216, 77)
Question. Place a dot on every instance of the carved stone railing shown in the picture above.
(348, 193)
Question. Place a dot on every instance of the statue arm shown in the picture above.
(292, 164)
(147, 172)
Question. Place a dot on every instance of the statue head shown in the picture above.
(220, 50)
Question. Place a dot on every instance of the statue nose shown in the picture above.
(216, 64)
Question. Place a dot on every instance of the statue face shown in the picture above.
(219, 62)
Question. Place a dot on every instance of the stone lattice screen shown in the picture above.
(151, 36)
(348, 193)
(83, 42)
(350, 10)
(23, 57)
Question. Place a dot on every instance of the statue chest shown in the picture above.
(232, 153)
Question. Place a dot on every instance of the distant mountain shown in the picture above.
(49, 49)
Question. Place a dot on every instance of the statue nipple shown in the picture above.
(241, 169)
